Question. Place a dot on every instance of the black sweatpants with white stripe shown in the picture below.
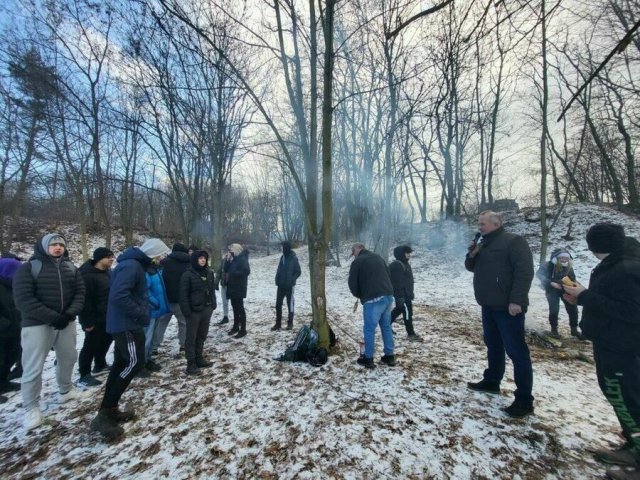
(128, 360)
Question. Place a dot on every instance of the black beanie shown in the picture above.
(100, 253)
(179, 247)
(606, 238)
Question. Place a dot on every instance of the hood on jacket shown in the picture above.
(134, 253)
(286, 248)
(179, 247)
(195, 256)
(41, 248)
(8, 267)
(400, 251)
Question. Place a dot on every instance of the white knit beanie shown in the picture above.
(154, 247)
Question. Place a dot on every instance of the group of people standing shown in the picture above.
(132, 304)
(129, 306)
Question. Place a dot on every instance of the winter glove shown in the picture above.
(60, 323)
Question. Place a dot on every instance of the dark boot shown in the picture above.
(389, 360)
(518, 410)
(290, 321)
(203, 363)
(192, 369)
(484, 386)
(223, 321)
(575, 332)
(236, 327)
(121, 416)
(553, 322)
(243, 329)
(277, 326)
(105, 425)
(366, 362)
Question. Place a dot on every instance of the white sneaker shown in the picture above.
(32, 419)
(72, 394)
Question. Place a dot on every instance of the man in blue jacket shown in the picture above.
(128, 312)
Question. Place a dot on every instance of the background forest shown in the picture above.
(212, 120)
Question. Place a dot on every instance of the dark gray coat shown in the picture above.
(288, 270)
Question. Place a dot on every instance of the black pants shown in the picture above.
(404, 307)
(553, 299)
(128, 360)
(619, 379)
(94, 349)
(281, 294)
(239, 314)
(197, 331)
(9, 354)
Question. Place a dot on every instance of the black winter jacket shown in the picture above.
(96, 294)
(58, 290)
(288, 270)
(502, 270)
(9, 315)
(172, 269)
(236, 275)
(197, 290)
(369, 276)
(401, 274)
(611, 305)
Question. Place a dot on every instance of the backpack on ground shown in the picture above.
(306, 341)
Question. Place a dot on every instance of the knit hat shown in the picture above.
(50, 239)
(235, 248)
(8, 267)
(179, 247)
(286, 247)
(606, 238)
(154, 247)
(100, 253)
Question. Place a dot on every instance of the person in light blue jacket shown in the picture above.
(158, 307)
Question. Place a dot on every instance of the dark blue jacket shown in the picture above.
(236, 275)
(128, 307)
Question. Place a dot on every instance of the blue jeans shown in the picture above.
(505, 333)
(148, 338)
(378, 313)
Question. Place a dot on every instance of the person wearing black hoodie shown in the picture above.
(9, 326)
(176, 263)
(402, 281)
(286, 276)
(197, 302)
(49, 293)
(96, 273)
(611, 320)
(236, 276)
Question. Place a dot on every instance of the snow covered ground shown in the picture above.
(252, 417)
